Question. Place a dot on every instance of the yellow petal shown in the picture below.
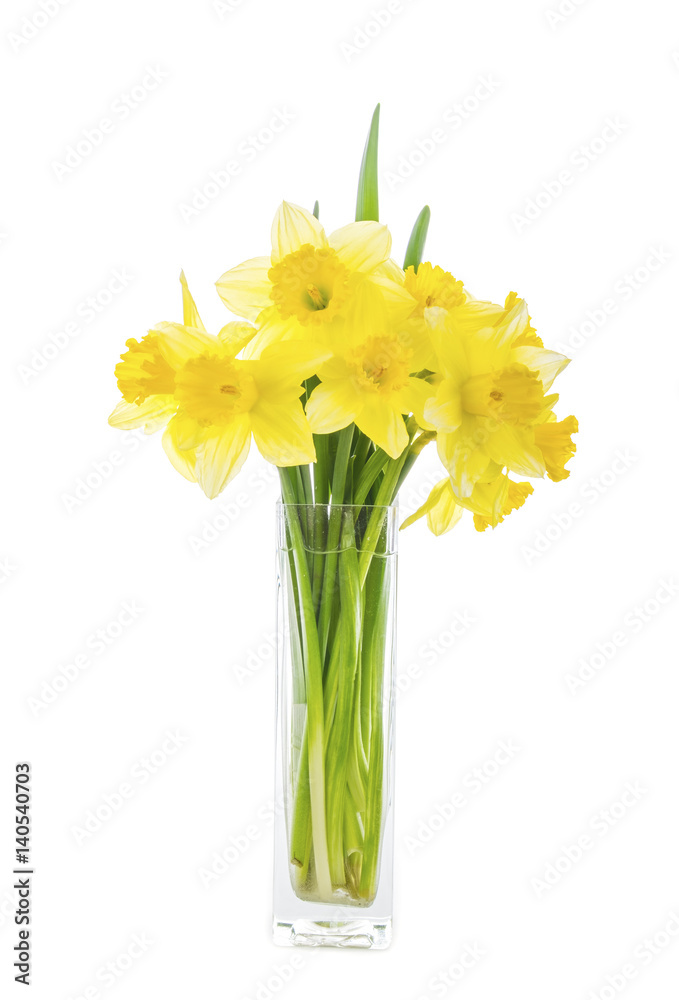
(245, 289)
(293, 226)
(514, 496)
(361, 246)
(271, 329)
(442, 510)
(191, 317)
(332, 406)
(443, 407)
(515, 447)
(184, 461)
(414, 399)
(234, 336)
(383, 423)
(464, 456)
(220, 458)
(554, 441)
(287, 364)
(152, 414)
(282, 434)
(548, 364)
(178, 343)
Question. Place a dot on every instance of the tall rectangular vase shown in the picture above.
(334, 725)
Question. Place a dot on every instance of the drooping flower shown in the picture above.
(491, 395)
(310, 278)
(368, 379)
(490, 502)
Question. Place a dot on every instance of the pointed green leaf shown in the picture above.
(316, 209)
(367, 201)
(417, 239)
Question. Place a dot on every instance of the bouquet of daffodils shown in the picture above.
(343, 366)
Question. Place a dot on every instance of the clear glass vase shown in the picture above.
(334, 697)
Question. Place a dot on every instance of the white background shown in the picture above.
(543, 589)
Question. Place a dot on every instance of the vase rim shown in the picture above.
(337, 506)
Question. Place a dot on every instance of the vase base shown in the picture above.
(360, 933)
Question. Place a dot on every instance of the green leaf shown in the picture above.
(418, 238)
(367, 200)
(316, 209)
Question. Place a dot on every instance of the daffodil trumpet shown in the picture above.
(341, 366)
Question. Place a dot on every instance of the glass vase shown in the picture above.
(334, 738)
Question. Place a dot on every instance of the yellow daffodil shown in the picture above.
(368, 379)
(145, 378)
(310, 278)
(213, 402)
(490, 396)
(490, 503)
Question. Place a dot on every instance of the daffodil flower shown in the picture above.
(368, 379)
(310, 278)
(490, 396)
(223, 402)
(490, 502)
(214, 403)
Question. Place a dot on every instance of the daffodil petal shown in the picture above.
(441, 508)
(548, 364)
(332, 406)
(293, 226)
(463, 456)
(184, 461)
(271, 329)
(361, 246)
(245, 289)
(384, 425)
(221, 456)
(282, 434)
(442, 409)
(234, 336)
(515, 447)
(178, 343)
(191, 316)
(152, 414)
